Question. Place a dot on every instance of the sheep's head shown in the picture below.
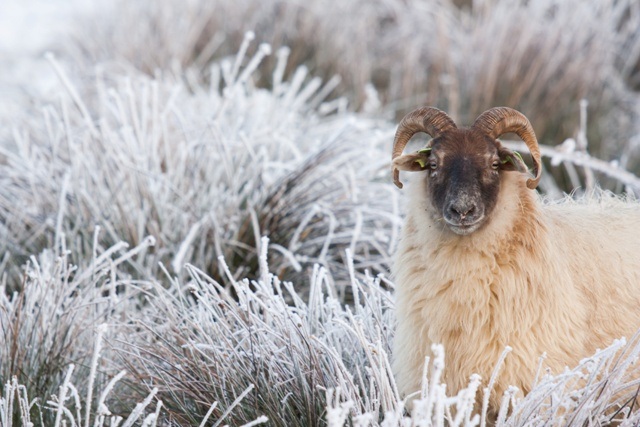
(464, 166)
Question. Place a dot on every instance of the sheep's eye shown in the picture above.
(433, 165)
(495, 165)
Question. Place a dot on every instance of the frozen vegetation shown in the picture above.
(197, 216)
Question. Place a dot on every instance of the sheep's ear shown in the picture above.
(413, 162)
(511, 160)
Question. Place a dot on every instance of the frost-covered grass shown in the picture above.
(538, 56)
(206, 172)
(298, 359)
(48, 329)
(258, 211)
(172, 352)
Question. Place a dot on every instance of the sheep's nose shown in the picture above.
(461, 211)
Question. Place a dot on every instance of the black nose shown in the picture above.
(461, 211)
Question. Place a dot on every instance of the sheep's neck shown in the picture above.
(483, 286)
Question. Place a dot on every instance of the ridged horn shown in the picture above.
(501, 120)
(429, 120)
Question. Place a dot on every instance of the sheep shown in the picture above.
(484, 263)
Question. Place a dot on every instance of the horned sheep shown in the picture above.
(484, 263)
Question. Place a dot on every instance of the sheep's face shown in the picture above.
(463, 169)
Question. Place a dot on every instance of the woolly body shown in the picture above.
(561, 279)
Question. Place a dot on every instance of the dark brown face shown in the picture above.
(463, 175)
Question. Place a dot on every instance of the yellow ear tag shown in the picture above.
(518, 156)
(508, 159)
(420, 161)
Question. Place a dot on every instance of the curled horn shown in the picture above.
(501, 120)
(428, 120)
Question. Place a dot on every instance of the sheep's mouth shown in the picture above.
(463, 228)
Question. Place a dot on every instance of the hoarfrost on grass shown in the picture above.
(159, 187)
(539, 56)
(205, 171)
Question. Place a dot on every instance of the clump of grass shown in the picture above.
(56, 361)
(51, 323)
(68, 406)
(541, 57)
(601, 390)
(206, 171)
(198, 343)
